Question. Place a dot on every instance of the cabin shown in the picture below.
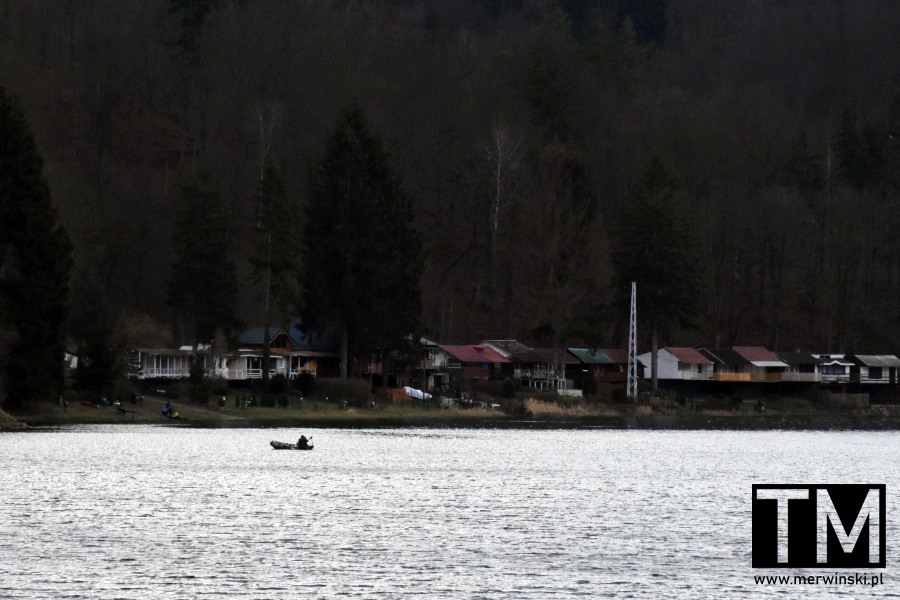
(765, 366)
(476, 362)
(172, 363)
(833, 368)
(874, 368)
(606, 365)
(745, 364)
(292, 352)
(684, 364)
(509, 349)
(536, 368)
(802, 367)
(728, 365)
(543, 368)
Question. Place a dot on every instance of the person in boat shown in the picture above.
(303, 442)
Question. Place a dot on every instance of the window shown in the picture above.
(280, 341)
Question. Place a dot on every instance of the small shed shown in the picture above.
(874, 368)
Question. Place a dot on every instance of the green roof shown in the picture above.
(592, 357)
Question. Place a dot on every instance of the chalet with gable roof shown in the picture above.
(685, 364)
(536, 368)
(174, 363)
(745, 363)
(833, 368)
(605, 365)
(874, 368)
(477, 362)
(802, 367)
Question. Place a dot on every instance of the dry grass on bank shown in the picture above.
(8, 422)
(544, 409)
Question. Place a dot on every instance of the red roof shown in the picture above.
(756, 353)
(689, 356)
(475, 354)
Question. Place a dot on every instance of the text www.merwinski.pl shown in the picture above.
(853, 579)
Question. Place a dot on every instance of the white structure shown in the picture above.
(631, 390)
(684, 364)
(833, 368)
(875, 368)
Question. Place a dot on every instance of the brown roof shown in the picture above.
(689, 355)
(756, 353)
(546, 355)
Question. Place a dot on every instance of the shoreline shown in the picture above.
(51, 417)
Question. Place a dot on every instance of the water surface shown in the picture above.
(106, 512)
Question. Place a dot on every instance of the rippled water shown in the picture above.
(131, 512)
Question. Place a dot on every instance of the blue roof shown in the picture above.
(327, 340)
(254, 335)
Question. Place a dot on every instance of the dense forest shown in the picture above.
(517, 129)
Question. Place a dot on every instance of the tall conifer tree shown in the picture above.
(276, 252)
(362, 257)
(203, 284)
(655, 247)
(35, 261)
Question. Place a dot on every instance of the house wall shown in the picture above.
(669, 367)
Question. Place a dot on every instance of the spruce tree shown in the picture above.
(203, 284)
(362, 257)
(655, 247)
(276, 252)
(35, 261)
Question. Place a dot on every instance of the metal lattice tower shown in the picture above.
(631, 390)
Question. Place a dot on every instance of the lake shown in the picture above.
(108, 512)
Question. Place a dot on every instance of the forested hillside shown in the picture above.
(517, 129)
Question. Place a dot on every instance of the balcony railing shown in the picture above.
(536, 374)
(732, 377)
(836, 377)
(801, 377)
(695, 376)
(163, 373)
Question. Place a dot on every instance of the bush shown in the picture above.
(355, 391)
(278, 384)
(509, 387)
(305, 384)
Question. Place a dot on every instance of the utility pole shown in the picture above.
(631, 390)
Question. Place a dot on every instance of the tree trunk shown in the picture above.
(654, 354)
(345, 350)
(267, 318)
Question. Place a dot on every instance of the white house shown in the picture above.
(875, 368)
(679, 363)
(833, 368)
